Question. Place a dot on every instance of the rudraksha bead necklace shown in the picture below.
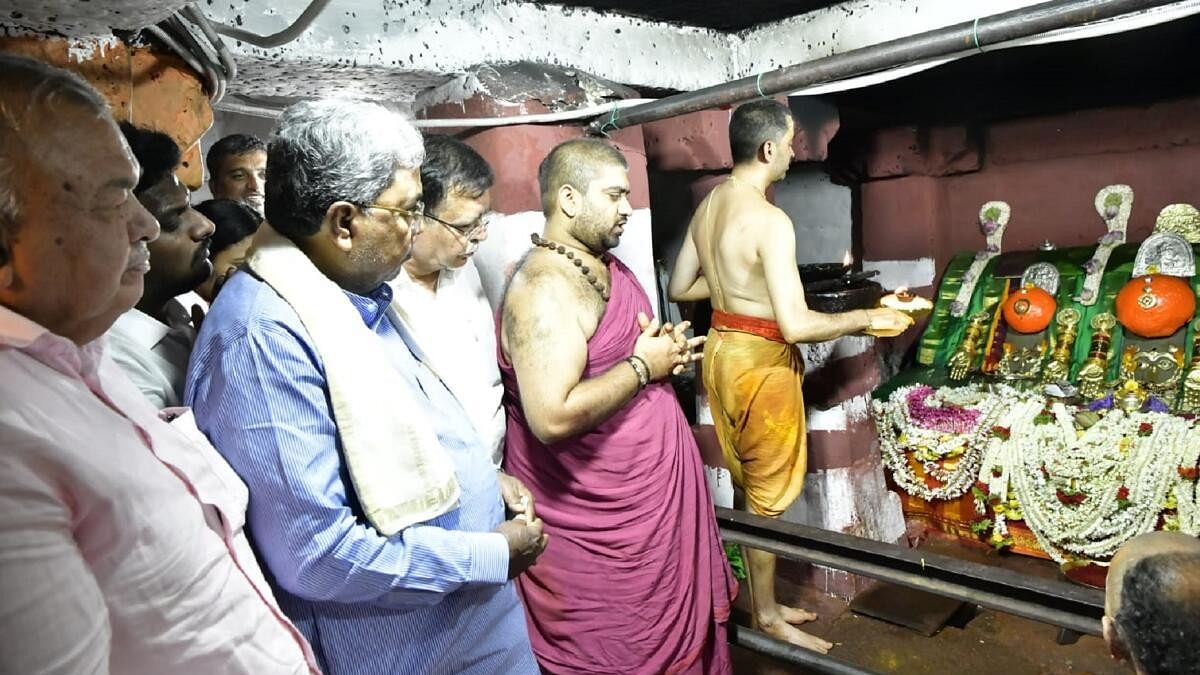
(587, 273)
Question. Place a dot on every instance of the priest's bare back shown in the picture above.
(740, 252)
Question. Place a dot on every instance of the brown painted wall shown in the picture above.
(699, 141)
(146, 88)
(925, 186)
(514, 152)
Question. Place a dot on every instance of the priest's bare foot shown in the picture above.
(782, 630)
(796, 616)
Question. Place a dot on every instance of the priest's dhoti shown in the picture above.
(754, 378)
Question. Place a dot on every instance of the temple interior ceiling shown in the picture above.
(86, 17)
(722, 16)
(393, 50)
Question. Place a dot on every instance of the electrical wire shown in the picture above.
(205, 54)
(281, 38)
(196, 16)
(190, 59)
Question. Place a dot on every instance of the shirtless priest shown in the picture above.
(634, 580)
(740, 252)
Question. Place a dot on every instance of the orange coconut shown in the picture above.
(1155, 305)
(1029, 310)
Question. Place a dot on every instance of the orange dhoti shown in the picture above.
(754, 378)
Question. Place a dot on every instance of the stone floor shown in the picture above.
(979, 643)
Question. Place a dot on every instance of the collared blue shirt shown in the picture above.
(432, 598)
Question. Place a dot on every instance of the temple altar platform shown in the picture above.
(981, 643)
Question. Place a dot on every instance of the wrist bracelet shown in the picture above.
(640, 369)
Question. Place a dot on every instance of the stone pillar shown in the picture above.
(845, 489)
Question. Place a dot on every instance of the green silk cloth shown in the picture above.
(944, 333)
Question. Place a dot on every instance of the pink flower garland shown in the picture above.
(947, 418)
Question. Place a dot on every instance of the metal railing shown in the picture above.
(1058, 603)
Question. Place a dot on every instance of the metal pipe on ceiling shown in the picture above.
(177, 27)
(955, 39)
(215, 84)
(281, 38)
(197, 17)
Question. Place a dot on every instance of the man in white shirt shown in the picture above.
(122, 543)
(440, 290)
(152, 341)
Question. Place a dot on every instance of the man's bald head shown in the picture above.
(575, 163)
(1152, 603)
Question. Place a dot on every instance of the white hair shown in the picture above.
(332, 150)
(29, 91)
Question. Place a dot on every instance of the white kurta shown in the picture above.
(455, 328)
(152, 354)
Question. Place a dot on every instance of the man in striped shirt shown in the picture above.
(435, 596)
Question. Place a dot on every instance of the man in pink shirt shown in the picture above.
(121, 536)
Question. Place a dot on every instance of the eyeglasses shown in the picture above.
(468, 231)
(413, 215)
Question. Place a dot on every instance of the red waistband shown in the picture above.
(764, 328)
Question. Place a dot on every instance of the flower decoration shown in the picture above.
(1123, 498)
(990, 222)
(926, 411)
(944, 430)
(980, 492)
(1070, 497)
(1156, 404)
(1000, 541)
(1013, 512)
(1099, 404)
(1082, 490)
(1112, 205)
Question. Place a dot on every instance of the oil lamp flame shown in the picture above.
(847, 260)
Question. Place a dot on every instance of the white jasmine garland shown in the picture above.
(1064, 482)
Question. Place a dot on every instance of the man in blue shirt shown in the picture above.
(373, 591)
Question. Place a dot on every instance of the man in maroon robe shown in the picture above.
(634, 579)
